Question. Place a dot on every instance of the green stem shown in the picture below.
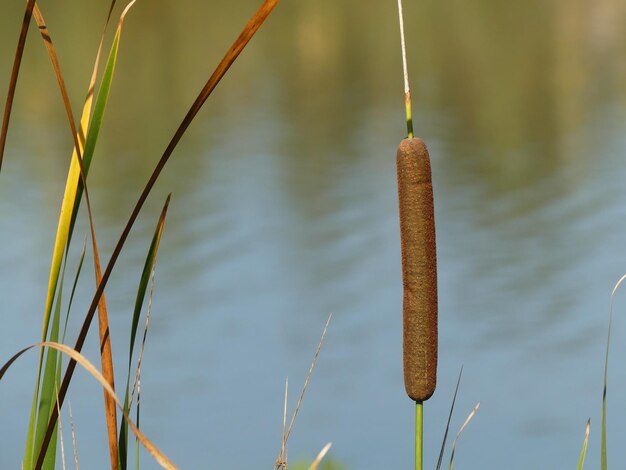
(419, 429)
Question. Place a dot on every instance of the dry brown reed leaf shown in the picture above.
(17, 61)
(74, 445)
(106, 358)
(467, 420)
(47, 40)
(61, 436)
(308, 377)
(281, 461)
(78, 358)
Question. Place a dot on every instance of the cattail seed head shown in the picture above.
(419, 269)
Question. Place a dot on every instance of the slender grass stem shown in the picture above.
(419, 432)
(407, 91)
(409, 117)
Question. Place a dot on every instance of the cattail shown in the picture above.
(419, 269)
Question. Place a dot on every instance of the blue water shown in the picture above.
(284, 210)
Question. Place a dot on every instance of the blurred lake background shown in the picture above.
(284, 210)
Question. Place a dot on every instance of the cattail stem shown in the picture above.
(419, 264)
(407, 90)
(419, 433)
(409, 117)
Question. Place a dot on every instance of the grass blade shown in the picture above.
(583, 452)
(50, 461)
(467, 420)
(137, 418)
(76, 357)
(61, 441)
(74, 284)
(148, 268)
(30, 4)
(45, 34)
(251, 28)
(445, 434)
(106, 358)
(50, 384)
(137, 382)
(308, 377)
(17, 62)
(74, 444)
(281, 461)
(320, 456)
(603, 453)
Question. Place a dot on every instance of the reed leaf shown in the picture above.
(47, 40)
(148, 268)
(583, 452)
(17, 62)
(30, 437)
(69, 307)
(467, 420)
(74, 284)
(281, 461)
(62, 447)
(74, 444)
(76, 357)
(137, 418)
(106, 358)
(250, 29)
(603, 452)
(445, 434)
(320, 456)
(50, 384)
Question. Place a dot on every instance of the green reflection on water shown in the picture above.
(504, 90)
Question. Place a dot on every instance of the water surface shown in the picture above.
(284, 210)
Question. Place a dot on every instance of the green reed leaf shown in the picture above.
(148, 267)
(583, 452)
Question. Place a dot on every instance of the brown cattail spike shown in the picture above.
(419, 269)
